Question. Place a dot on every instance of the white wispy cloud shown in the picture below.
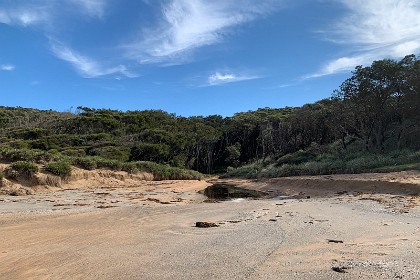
(45, 14)
(374, 30)
(24, 15)
(93, 8)
(224, 78)
(189, 24)
(85, 65)
(7, 67)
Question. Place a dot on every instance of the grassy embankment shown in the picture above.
(23, 163)
(310, 162)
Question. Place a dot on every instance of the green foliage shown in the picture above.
(61, 169)
(18, 144)
(112, 152)
(109, 163)
(74, 152)
(22, 168)
(333, 164)
(130, 167)
(12, 155)
(88, 163)
(246, 171)
(166, 172)
(149, 152)
(296, 157)
(374, 113)
(234, 154)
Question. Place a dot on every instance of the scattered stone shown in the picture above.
(334, 241)
(205, 224)
(339, 269)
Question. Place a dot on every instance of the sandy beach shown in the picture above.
(324, 227)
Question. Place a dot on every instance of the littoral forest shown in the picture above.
(371, 123)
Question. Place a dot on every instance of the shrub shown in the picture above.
(61, 169)
(12, 155)
(296, 157)
(130, 167)
(74, 152)
(87, 163)
(19, 144)
(25, 168)
(112, 152)
(247, 171)
(166, 172)
(115, 165)
(149, 152)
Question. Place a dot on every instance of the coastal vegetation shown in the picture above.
(371, 123)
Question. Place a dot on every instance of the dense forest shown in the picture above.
(372, 121)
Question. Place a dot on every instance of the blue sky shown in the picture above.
(193, 57)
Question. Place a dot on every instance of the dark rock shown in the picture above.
(339, 269)
(334, 241)
(205, 224)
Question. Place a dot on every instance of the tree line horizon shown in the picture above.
(375, 111)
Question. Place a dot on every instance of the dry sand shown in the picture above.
(325, 227)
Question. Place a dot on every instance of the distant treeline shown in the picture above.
(376, 110)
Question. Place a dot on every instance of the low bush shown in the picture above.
(115, 165)
(130, 167)
(354, 162)
(11, 155)
(88, 163)
(61, 169)
(118, 153)
(22, 168)
(166, 172)
(74, 152)
(246, 171)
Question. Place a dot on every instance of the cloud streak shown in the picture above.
(93, 8)
(374, 30)
(225, 78)
(24, 15)
(181, 27)
(7, 67)
(86, 66)
(44, 14)
(187, 25)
